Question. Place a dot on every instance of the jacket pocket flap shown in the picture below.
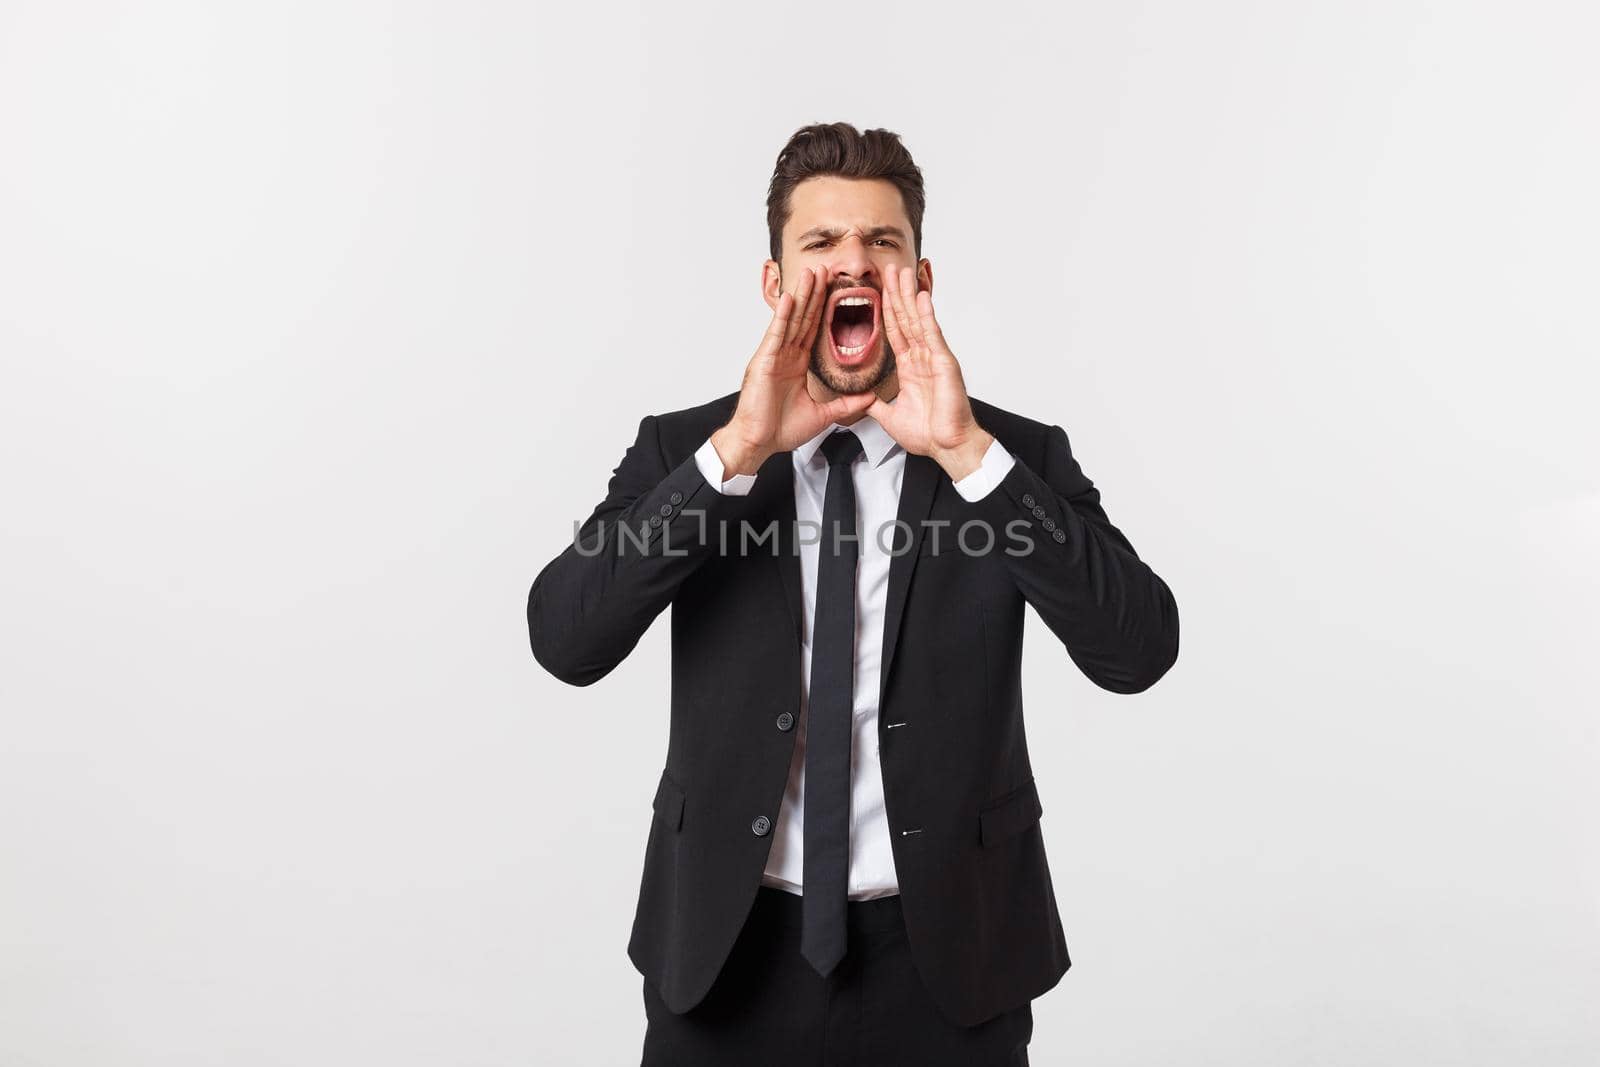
(669, 802)
(1012, 814)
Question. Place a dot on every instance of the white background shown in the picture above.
(322, 323)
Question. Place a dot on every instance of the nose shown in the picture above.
(850, 260)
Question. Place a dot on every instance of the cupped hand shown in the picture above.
(930, 415)
(776, 411)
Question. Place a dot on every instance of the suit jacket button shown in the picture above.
(666, 509)
(655, 520)
(1060, 536)
(1038, 513)
(786, 721)
(1027, 500)
(1049, 524)
(676, 497)
(761, 826)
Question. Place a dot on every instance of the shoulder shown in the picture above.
(683, 430)
(1022, 436)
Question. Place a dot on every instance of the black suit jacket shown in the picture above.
(962, 803)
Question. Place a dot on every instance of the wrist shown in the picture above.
(966, 457)
(738, 454)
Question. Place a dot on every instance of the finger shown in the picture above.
(902, 319)
(891, 323)
(779, 327)
(802, 299)
(930, 325)
(819, 303)
(806, 317)
(908, 304)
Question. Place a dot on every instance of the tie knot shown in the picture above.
(841, 447)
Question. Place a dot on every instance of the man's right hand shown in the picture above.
(776, 411)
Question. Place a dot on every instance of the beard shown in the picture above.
(861, 379)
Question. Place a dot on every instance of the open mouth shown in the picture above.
(853, 323)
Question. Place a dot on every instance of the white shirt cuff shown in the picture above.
(997, 463)
(711, 467)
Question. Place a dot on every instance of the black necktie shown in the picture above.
(830, 713)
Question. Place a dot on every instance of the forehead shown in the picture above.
(845, 202)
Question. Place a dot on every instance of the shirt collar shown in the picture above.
(876, 444)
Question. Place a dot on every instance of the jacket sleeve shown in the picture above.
(590, 605)
(1116, 617)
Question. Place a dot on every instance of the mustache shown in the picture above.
(851, 283)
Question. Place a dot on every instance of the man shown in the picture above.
(845, 863)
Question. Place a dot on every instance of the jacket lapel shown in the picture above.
(916, 497)
(781, 507)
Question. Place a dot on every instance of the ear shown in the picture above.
(925, 276)
(771, 283)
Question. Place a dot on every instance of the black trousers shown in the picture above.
(769, 1008)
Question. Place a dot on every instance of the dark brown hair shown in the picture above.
(838, 149)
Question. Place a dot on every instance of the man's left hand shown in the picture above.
(930, 415)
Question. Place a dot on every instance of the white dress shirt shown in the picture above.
(878, 474)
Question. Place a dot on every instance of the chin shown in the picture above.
(859, 377)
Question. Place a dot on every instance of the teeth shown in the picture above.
(856, 351)
(854, 302)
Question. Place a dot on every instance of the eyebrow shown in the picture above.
(834, 233)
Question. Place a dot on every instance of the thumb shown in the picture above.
(851, 404)
(862, 401)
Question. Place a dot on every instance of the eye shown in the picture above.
(885, 241)
(815, 244)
